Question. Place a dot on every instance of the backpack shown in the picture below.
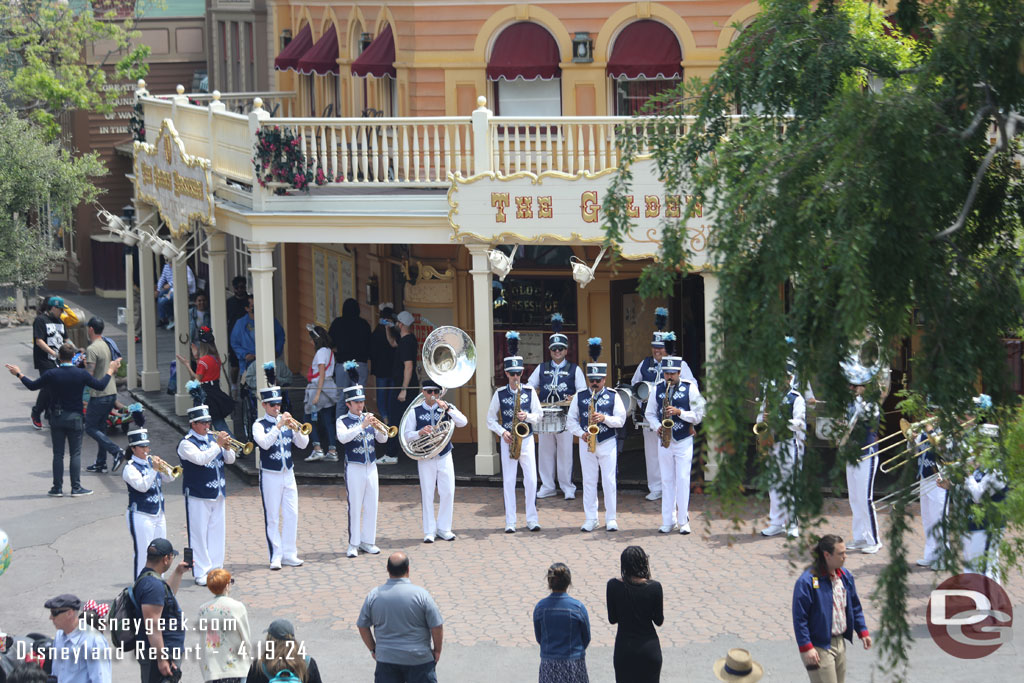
(283, 676)
(115, 352)
(123, 612)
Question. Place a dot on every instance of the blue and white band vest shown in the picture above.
(507, 402)
(360, 449)
(150, 501)
(557, 384)
(204, 481)
(430, 417)
(680, 399)
(866, 427)
(974, 524)
(279, 456)
(605, 405)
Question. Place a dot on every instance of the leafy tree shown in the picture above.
(873, 178)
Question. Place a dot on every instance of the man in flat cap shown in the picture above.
(80, 653)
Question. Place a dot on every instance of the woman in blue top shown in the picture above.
(562, 627)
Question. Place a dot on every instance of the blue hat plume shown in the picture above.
(195, 389)
(270, 370)
(138, 415)
(556, 322)
(660, 317)
(352, 369)
(512, 342)
(594, 348)
(670, 339)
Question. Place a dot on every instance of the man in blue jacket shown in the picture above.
(826, 610)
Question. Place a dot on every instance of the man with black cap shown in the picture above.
(47, 337)
(162, 632)
(403, 376)
(608, 415)
(144, 476)
(556, 380)
(80, 655)
(274, 436)
(437, 472)
(203, 456)
(501, 419)
(356, 436)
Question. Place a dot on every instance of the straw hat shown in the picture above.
(738, 666)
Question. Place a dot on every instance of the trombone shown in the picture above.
(161, 465)
(236, 445)
(390, 432)
(302, 427)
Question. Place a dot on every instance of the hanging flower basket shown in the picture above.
(280, 164)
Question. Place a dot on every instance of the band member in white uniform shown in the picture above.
(685, 408)
(609, 414)
(556, 380)
(145, 512)
(933, 498)
(980, 553)
(437, 473)
(274, 436)
(356, 437)
(862, 421)
(203, 458)
(789, 452)
(500, 418)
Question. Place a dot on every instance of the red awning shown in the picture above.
(524, 50)
(322, 58)
(378, 59)
(646, 49)
(290, 56)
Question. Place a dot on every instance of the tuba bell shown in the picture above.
(449, 358)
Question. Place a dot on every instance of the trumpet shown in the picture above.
(293, 424)
(163, 466)
(390, 431)
(236, 445)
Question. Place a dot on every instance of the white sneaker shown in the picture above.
(200, 580)
(924, 563)
(317, 454)
(533, 527)
(369, 548)
(510, 528)
(772, 531)
(352, 551)
(653, 495)
(589, 525)
(387, 460)
(332, 456)
(685, 529)
(543, 493)
(445, 535)
(871, 549)
(275, 563)
(855, 545)
(429, 538)
(794, 532)
(292, 562)
(612, 525)
(665, 529)
(570, 496)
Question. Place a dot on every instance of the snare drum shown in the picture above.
(552, 422)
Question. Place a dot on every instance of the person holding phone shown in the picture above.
(162, 629)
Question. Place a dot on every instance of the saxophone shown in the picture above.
(666, 420)
(520, 430)
(592, 428)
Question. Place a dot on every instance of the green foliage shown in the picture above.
(862, 177)
(38, 180)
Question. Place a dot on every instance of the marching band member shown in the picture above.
(356, 435)
(790, 453)
(144, 481)
(862, 422)
(556, 380)
(609, 414)
(980, 554)
(933, 498)
(501, 416)
(437, 472)
(274, 436)
(685, 407)
(203, 456)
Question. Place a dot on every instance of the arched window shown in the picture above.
(524, 69)
(645, 60)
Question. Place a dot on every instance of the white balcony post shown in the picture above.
(482, 140)
(258, 113)
(147, 294)
(180, 98)
(261, 265)
(711, 353)
(218, 303)
(215, 107)
(129, 317)
(182, 399)
(487, 461)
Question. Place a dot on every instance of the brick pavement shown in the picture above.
(717, 581)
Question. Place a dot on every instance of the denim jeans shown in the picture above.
(397, 410)
(221, 425)
(96, 425)
(405, 673)
(165, 305)
(66, 425)
(43, 396)
(325, 431)
(384, 397)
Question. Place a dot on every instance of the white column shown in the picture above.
(129, 316)
(261, 265)
(258, 113)
(481, 137)
(218, 300)
(182, 399)
(147, 293)
(487, 458)
(711, 442)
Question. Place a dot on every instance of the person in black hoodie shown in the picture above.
(351, 337)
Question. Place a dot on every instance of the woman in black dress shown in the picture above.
(635, 604)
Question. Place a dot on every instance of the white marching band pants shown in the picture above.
(789, 453)
(280, 509)
(933, 504)
(509, 470)
(979, 557)
(363, 487)
(652, 442)
(204, 518)
(675, 462)
(860, 482)
(437, 473)
(604, 462)
(144, 528)
(555, 451)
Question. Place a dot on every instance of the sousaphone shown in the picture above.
(449, 358)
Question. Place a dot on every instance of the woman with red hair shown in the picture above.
(226, 647)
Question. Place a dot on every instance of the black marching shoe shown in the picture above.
(96, 467)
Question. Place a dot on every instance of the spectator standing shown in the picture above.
(198, 316)
(235, 310)
(827, 610)
(404, 620)
(243, 338)
(281, 652)
(162, 632)
(47, 337)
(635, 603)
(81, 655)
(101, 401)
(165, 293)
(226, 646)
(207, 373)
(66, 384)
(404, 377)
(351, 336)
(562, 627)
(382, 360)
(322, 396)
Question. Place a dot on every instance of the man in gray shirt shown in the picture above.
(404, 619)
(101, 401)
